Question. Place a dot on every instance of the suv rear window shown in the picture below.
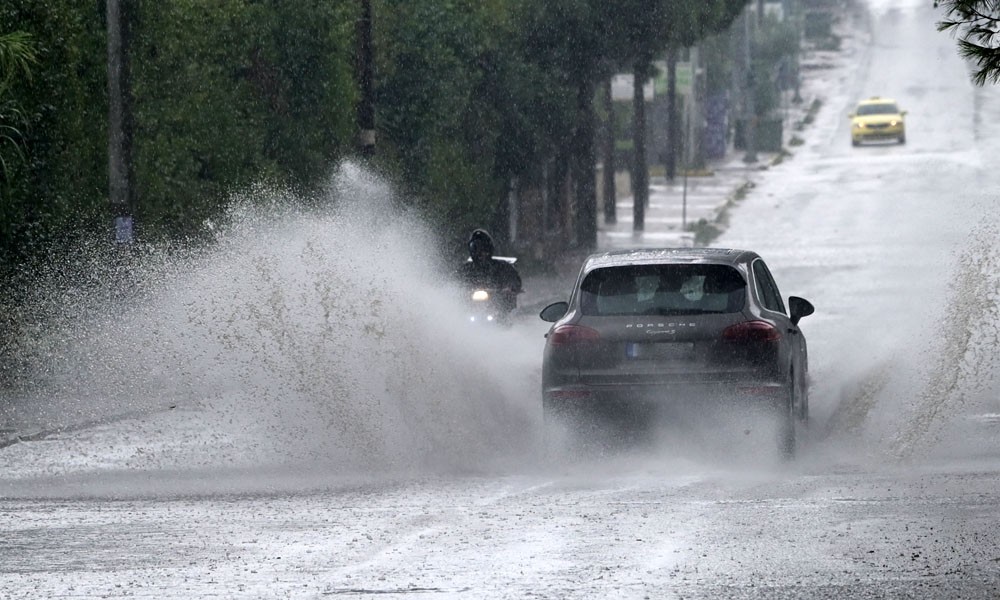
(662, 290)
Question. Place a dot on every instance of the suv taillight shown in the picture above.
(751, 331)
(572, 334)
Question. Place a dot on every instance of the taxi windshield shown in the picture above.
(881, 108)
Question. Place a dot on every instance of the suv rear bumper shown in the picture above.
(622, 400)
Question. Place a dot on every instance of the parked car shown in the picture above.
(877, 119)
(646, 329)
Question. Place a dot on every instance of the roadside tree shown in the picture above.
(570, 41)
(977, 25)
(644, 30)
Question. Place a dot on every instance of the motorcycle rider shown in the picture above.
(499, 277)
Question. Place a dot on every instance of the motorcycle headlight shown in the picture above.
(480, 295)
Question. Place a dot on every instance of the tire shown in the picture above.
(788, 420)
(563, 439)
(552, 443)
(552, 447)
(802, 396)
(902, 140)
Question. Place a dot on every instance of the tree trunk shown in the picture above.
(121, 178)
(608, 158)
(640, 171)
(673, 126)
(584, 177)
(749, 108)
(366, 82)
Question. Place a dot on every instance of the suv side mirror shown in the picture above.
(554, 312)
(798, 308)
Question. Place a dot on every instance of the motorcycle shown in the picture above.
(491, 306)
(485, 309)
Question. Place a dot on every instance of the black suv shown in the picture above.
(657, 327)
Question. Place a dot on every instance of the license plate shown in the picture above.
(659, 351)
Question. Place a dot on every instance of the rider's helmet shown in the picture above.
(480, 245)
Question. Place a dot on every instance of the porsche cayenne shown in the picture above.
(653, 328)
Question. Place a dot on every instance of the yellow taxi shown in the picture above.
(877, 119)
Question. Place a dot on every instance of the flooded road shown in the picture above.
(243, 479)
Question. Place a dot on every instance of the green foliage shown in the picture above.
(428, 70)
(776, 44)
(570, 39)
(17, 57)
(456, 105)
(469, 95)
(464, 199)
(977, 25)
(716, 53)
(225, 93)
(694, 20)
(60, 185)
(231, 92)
(568, 46)
(12, 120)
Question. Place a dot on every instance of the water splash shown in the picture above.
(965, 373)
(320, 332)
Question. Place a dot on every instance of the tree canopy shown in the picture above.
(977, 25)
(470, 95)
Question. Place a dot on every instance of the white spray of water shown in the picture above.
(326, 336)
(942, 377)
(962, 380)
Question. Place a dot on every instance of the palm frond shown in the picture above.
(17, 55)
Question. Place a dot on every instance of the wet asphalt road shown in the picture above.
(893, 496)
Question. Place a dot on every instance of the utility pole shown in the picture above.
(366, 81)
(121, 186)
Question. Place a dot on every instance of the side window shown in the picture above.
(766, 288)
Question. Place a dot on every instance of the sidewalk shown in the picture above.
(693, 212)
(679, 214)
(684, 212)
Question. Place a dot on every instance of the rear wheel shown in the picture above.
(802, 397)
(552, 436)
(566, 430)
(789, 416)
